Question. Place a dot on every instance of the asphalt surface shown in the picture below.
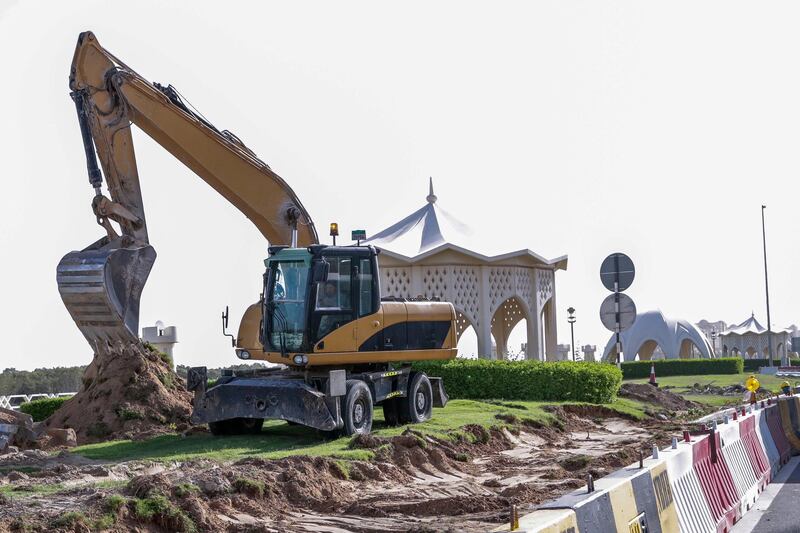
(777, 510)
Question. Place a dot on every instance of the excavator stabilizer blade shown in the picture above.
(101, 287)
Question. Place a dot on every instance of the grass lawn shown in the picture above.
(720, 380)
(681, 384)
(278, 439)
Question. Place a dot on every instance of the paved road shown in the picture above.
(778, 508)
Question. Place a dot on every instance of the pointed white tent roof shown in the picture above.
(424, 229)
(430, 230)
(751, 325)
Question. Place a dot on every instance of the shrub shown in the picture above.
(752, 365)
(683, 367)
(41, 409)
(481, 379)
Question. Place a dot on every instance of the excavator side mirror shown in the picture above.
(319, 271)
(225, 327)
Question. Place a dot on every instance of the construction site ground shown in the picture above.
(460, 471)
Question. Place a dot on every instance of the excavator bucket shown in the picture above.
(101, 287)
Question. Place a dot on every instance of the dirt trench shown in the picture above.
(464, 482)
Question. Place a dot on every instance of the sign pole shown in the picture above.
(617, 312)
(616, 309)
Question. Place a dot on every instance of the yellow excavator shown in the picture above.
(338, 349)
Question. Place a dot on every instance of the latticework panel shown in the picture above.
(544, 286)
(396, 281)
(465, 293)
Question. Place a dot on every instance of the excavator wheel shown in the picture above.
(236, 426)
(417, 406)
(357, 410)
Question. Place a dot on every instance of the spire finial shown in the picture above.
(431, 197)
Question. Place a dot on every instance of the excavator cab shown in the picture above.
(311, 292)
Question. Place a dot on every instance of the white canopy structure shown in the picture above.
(425, 255)
(655, 336)
(751, 340)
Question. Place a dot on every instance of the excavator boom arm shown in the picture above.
(115, 96)
(102, 284)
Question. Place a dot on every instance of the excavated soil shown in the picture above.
(654, 395)
(465, 481)
(128, 392)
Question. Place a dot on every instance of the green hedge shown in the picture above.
(41, 409)
(752, 365)
(682, 367)
(526, 380)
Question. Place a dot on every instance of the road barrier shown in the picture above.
(786, 424)
(773, 416)
(740, 466)
(703, 483)
(755, 449)
(774, 454)
(716, 481)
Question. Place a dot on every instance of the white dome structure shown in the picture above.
(651, 330)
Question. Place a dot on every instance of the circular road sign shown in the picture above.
(627, 312)
(617, 267)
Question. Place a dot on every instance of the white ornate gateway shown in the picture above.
(751, 340)
(492, 294)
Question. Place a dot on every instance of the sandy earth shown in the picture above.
(416, 483)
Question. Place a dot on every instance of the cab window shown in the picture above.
(335, 292)
(333, 306)
(365, 288)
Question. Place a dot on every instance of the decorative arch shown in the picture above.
(646, 350)
(507, 315)
(463, 322)
(687, 349)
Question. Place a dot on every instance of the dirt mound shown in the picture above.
(127, 392)
(664, 399)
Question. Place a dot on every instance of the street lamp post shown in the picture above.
(766, 287)
(571, 321)
(714, 336)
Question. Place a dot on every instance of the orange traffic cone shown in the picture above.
(653, 381)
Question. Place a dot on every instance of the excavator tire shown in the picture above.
(236, 426)
(358, 410)
(417, 406)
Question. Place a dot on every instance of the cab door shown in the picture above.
(333, 320)
(369, 323)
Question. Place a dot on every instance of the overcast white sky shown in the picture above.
(579, 128)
